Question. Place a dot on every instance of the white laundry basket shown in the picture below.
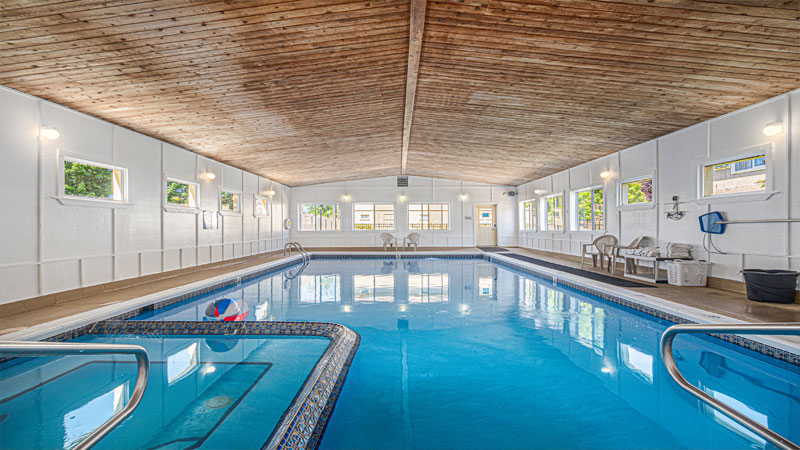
(687, 273)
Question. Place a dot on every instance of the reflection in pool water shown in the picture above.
(200, 394)
(465, 354)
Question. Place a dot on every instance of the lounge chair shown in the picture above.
(600, 247)
(388, 240)
(412, 239)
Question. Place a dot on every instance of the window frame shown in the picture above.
(169, 207)
(268, 207)
(300, 221)
(575, 209)
(228, 212)
(543, 213)
(394, 216)
(622, 199)
(522, 217)
(408, 216)
(750, 152)
(74, 200)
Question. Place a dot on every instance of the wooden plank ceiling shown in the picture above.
(313, 91)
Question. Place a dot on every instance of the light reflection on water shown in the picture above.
(466, 354)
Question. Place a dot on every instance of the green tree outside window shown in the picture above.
(84, 180)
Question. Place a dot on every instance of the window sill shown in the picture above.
(643, 206)
(181, 209)
(230, 213)
(93, 203)
(261, 216)
(736, 198)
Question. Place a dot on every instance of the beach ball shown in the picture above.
(227, 309)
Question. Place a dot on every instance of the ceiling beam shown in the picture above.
(414, 50)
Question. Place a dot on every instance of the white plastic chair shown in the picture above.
(615, 251)
(602, 248)
(388, 240)
(412, 239)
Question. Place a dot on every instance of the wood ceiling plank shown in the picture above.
(506, 91)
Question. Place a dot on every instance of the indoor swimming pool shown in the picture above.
(204, 392)
(466, 354)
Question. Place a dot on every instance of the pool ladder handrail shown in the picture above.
(24, 348)
(287, 250)
(750, 328)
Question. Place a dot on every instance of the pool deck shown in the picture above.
(21, 315)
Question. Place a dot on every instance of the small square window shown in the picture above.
(553, 213)
(181, 193)
(587, 208)
(262, 206)
(636, 192)
(373, 216)
(428, 216)
(229, 201)
(737, 176)
(527, 219)
(83, 179)
(318, 217)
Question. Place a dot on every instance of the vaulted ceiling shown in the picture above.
(314, 91)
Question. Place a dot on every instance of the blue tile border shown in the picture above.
(301, 426)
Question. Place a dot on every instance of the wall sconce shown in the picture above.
(402, 197)
(539, 191)
(270, 193)
(463, 196)
(211, 175)
(773, 129)
(346, 197)
(49, 133)
(605, 174)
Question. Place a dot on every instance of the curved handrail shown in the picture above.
(22, 348)
(756, 328)
(287, 250)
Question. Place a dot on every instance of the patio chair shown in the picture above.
(600, 247)
(388, 240)
(412, 239)
(615, 251)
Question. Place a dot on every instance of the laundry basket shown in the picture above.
(687, 273)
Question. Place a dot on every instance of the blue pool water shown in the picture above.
(464, 354)
(203, 392)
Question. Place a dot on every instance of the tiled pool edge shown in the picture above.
(303, 423)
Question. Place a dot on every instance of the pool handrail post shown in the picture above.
(748, 328)
(27, 349)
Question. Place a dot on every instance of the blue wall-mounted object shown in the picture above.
(708, 223)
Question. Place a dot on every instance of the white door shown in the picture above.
(487, 225)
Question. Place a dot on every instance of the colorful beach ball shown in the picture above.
(227, 309)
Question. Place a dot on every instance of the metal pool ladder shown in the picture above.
(287, 250)
(754, 328)
(22, 348)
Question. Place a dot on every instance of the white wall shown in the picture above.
(674, 159)
(420, 189)
(48, 247)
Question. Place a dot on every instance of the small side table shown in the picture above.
(655, 261)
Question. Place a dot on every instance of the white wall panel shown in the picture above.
(87, 245)
(19, 130)
(676, 160)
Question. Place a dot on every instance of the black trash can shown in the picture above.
(774, 286)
